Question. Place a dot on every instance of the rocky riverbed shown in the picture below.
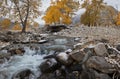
(66, 54)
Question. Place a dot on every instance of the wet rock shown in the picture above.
(4, 55)
(23, 74)
(48, 76)
(100, 49)
(19, 51)
(48, 66)
(100, 64)
(2, 61)
(63, 57)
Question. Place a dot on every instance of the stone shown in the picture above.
(2, 61)
(55, 28)
(101, 75)
(48, 66)
(42, 41)
(63, 57)
(100, 49)
(23, 74)
(113, 51)
(77, 55)
(19, 51)
(4, 55)
(118, 47)
(100, 64)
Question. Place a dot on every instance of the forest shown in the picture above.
(59, 39)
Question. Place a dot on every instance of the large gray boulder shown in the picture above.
(100, 49)
(100, 64)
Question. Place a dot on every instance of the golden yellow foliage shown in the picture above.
(35, 24)
(60, 11)
(92, 13)
(17, 27)
(5, 23)
(53, 15)
(118, 19)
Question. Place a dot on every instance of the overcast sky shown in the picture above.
(46, 4)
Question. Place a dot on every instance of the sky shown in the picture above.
(46, 4)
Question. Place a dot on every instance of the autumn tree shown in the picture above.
(17, 27)
(61, 11)
(92, 13)
(118, 19)
(22, 10)
(5, 23)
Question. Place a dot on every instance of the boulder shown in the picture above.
(101, 75)
(63, 58)
(77, 55)
(100, 64)
(49, 66)
(100, 49)
(23, 74)
(55, 28)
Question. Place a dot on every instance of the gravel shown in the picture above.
(109, 33)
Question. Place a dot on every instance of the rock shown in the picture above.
(113, 51)
(100, 49)
(19, 51)
(55, 28)
(4, 55)
(101, 75)
(63, 58)
(23, 74)
(42, 41)
(78, 46)
(4, 44)
(89, 74)
(77, 55)
(48, 76)
(100, 64)
(49, 66)
(2, 61)
(118, 47)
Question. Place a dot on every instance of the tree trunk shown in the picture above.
(25, 21)
(24, 28)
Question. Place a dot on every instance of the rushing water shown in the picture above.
(32, 58)
(29, 60)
